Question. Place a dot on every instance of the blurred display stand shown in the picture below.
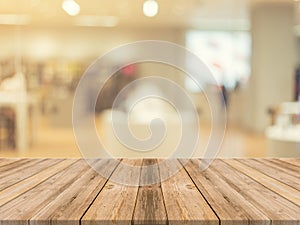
(284, 133)
(7, 128)
(21, 104)
(14, 96)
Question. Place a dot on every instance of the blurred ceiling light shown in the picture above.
(13, 19)
(150, 8)
(71, 7)
(97, 21)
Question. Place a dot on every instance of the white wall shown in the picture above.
(273, 62)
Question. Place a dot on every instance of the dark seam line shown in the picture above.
(261, 183)
(201, 193)
(98, 193)
(38, 183)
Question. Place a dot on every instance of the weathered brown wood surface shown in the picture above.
(229, 192)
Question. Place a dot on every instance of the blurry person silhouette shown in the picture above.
(224, 95)
(297, 84)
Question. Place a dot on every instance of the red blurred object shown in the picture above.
(129, 70)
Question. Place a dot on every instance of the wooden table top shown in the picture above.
(231, 191)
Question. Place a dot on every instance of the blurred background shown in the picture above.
(251, 46)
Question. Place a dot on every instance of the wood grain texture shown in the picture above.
(19, 165)
(21, 187)
(4, 162)
(276, 169)
(275, 185)
(71, 204)
(229, 192)
(288, 167)
(150, 207)
(19, 173)
(294, 161)
(277, 208)
(26, 204)
(230, 205)
(116, 202)
(184, 203)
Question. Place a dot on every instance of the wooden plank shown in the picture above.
(184, 203)
(71, 204)
(70, 192)
(16, 166)
(7, 165)
(6, 161)
(230, 206)
(150, 207)
(284, 190)
(276, 170)
(287, 167)
(277, 208)
(21, 187)
(21, 209)
(115, 203)
(294, 161)
(22, 173)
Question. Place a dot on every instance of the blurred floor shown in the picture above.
(241, 143)
(60, 143)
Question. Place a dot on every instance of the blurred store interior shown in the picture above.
(251, 46)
